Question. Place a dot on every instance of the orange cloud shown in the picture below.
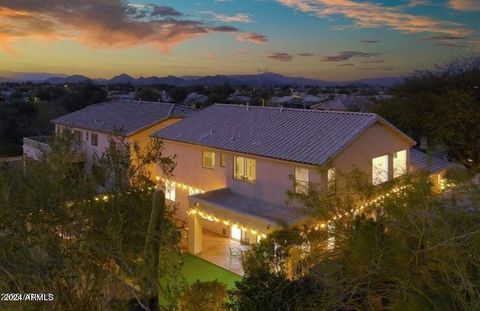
(252, 37)
(373, 15)
(280, 56)
(465, 5)
(99, 23)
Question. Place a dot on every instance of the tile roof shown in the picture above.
(306, 136)
(424, 162)
(124, 116)
(272, 213)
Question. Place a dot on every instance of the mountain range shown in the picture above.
(261, 79)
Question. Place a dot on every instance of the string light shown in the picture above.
(355, 211)
(226, 222)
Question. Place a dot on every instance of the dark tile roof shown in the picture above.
(307, 136)
(272, 213)
(420, 161)
(124, 116)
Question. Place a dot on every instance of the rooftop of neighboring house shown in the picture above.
(298, 135)
(422, 161)
(125, 117)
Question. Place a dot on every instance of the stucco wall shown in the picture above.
(142, 138)
(376, 141)
(272, 176)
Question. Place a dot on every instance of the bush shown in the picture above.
(204, 296)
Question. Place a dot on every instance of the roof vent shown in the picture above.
(281, 108)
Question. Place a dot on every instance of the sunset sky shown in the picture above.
(324, 39)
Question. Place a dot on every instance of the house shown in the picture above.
(236, 163)
(95, 125)
(435, 166)
(195, 99)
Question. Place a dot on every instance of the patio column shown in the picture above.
(194, 234)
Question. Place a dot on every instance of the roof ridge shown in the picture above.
(298, 109)
(144, 102)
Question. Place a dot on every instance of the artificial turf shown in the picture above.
(195, 268)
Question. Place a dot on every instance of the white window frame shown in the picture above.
(302, 179)
(399, 163)
(78, 136)
(204, 164)
(94, 140)
(380, 172)
(331, 179)
(246, 173)
(170, 190)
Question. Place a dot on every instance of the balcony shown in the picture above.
(33, 147)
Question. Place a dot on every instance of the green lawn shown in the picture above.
(195, 268)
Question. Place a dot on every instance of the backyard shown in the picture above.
(196, 268)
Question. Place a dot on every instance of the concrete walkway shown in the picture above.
(215, 249)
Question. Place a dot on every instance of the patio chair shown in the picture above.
(245, 241)
(234, 252)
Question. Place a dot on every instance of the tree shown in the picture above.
(442, 105)
(204, 296)
(410, 250)
(147, 94)
(60, 236)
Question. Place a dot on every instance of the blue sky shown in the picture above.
(324, 39)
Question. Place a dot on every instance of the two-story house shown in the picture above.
(96, 125)
(236, 163)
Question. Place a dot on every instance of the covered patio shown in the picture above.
(222, 225)
(223, 252)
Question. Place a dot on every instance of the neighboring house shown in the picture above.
(435, 167)
(194, 99)
(236, 163)
(95, 125)
(343, 102)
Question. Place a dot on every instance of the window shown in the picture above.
(244, 169)
(170, 190)
(222, 159)
(94, 140)
(208, 160)
(236, 233)
(86, 133)
(301, 179)
(399, 163)
(331, 179)
(77, 135)
(380, 170)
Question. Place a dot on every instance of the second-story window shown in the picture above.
(208, 159)
(331, 179)
(94, 140)
(301, 179)
(77, 135)
(399, 163)
(379, 170)
(244, 169)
